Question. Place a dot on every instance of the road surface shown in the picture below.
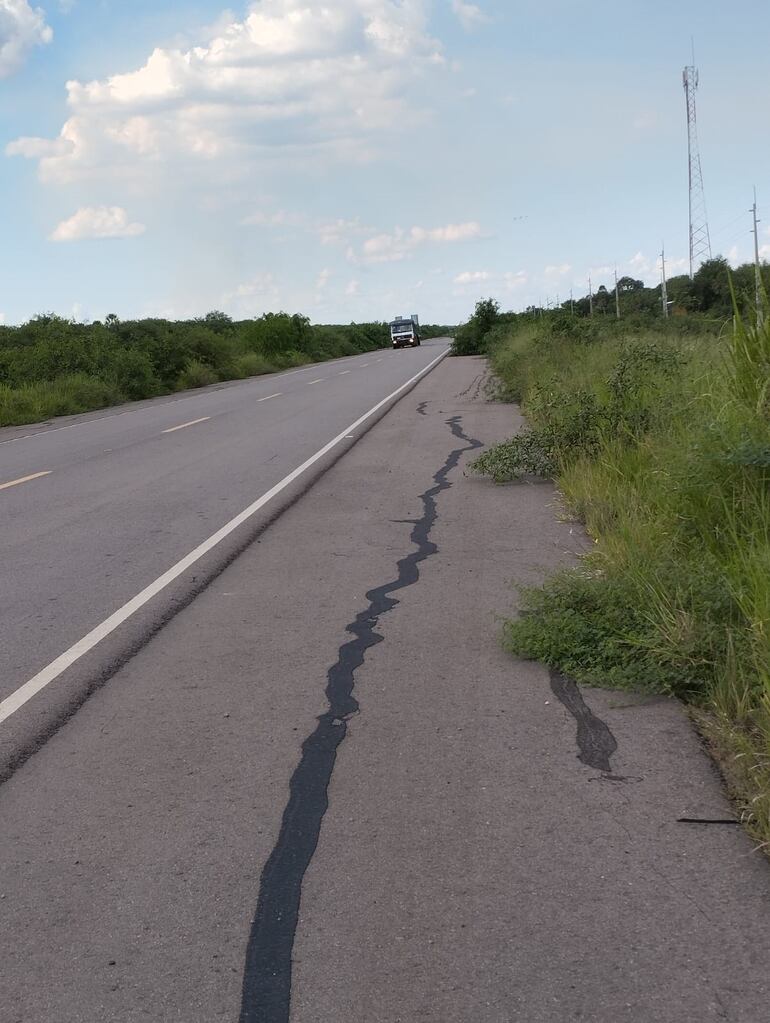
(97, 508)
(322, 793)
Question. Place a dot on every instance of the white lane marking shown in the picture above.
(25, 479)
(364, 364)
(343, 373)
(183, 426)
(164, 404)
(52, 671)
(320, 380)
(276, 395)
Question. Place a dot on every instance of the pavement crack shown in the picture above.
(266, 990)
(594, 738)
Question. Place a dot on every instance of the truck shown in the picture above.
(405, 331)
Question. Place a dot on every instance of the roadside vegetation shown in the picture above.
(657, 432)
(51, 366)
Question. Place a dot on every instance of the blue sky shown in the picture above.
(359, 159)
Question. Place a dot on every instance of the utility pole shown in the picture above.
(617, 295)
(700, 241)
(590, 298)
(571, 303)
(663, 290)
(757, 271)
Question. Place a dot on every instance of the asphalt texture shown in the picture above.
(125, 499)
(322, 792)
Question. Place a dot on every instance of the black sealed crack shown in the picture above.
(594, 738)
(422, 407)
(266, 992)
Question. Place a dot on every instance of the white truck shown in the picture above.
(405, 331)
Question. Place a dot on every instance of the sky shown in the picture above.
(364, 159)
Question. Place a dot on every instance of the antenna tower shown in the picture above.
(700, 242)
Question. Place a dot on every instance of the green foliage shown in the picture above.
(660, 441)
(472, 338)
(44, 363)
(251, 364)
(196, 374)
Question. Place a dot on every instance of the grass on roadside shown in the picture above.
(660, 442)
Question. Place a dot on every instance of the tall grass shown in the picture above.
(660, 442)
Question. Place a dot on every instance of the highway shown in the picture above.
(96, 509)
(303, 782)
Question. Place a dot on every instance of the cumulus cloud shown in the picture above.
(471, 277)
(390, 248)
(352, 288)
(470, 16)
(21, 28)
(97, 222)
(290, 77)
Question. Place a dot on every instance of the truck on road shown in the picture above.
(405, 331)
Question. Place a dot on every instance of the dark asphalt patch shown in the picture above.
(594, 738)
(266, 993)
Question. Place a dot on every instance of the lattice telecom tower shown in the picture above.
(700, 242)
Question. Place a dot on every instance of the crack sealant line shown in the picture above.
(594, 738)
(57, 667)
(267, 980)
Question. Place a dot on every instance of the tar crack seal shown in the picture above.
(266, 992)
(594, 738)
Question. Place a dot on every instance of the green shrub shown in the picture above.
(196, 374)
(659, 440)
(251, 364)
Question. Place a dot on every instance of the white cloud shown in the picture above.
(259, 284)
(21, 28)
(290, 77)
(471, 277)
(276, 218)
(639, 263)
(352, 288)
(337, 232)
(560, 270)
(97, 222)
(470, 16)
(764, 252)
(322, 282)
(508, 281)
(389, 248)
(2, 317)
(512, 281)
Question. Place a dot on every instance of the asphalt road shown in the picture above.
(322, 792)
(94, 509)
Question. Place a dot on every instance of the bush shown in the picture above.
(196, 374)
(251, 364)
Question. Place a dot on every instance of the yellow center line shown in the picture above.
(183, 426)
(25, 479)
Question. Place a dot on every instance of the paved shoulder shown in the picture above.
(322, 792)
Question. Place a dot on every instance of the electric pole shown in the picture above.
(700, 241)
(757, 271)
(590, 298)
(617, 295)
(571, 303)
(663, 291)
